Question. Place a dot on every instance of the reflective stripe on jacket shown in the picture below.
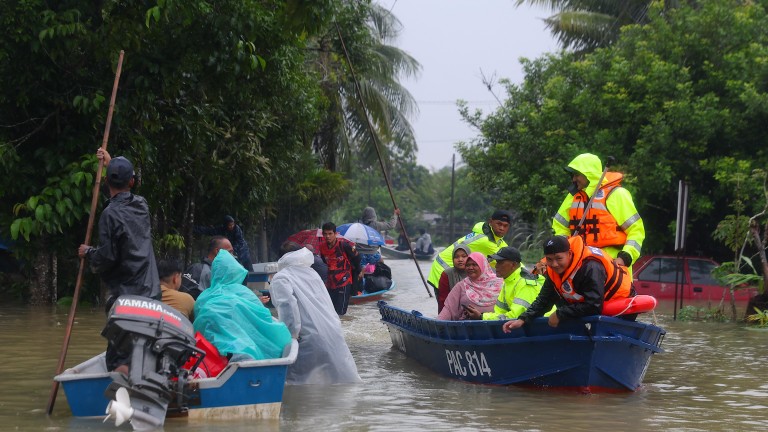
(519, 291)
(599, 227)
(616, 203)
(477, 241)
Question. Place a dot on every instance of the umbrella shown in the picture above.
(360, 233)
(311, 237)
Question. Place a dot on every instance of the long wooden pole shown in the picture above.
(378, 153)
(91, 218)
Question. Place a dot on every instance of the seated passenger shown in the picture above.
(579, 279)
(520, 287)
(452, 275)
(169, 272)
(233, 318)
(402, 242)
(303, 304)
(424, 243)
(486, 238)
(478, 290)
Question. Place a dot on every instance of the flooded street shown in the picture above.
(711, 378)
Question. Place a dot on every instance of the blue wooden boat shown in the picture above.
(597, 353)
(245, 389)
(366, 296)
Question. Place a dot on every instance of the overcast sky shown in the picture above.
(454, 40)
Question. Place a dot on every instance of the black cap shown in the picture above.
(502, 215)
(228, 219)
(556, 244)
(507, 253)
(120, 171)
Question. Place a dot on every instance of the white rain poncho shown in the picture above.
(303, 304)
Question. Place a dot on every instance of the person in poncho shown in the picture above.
(477, 292)
(303, 304)
(233, 318)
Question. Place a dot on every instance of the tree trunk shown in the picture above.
(263, 247)
(755, 230)
(44, 280)
(188, 229)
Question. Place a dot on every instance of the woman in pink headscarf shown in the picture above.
(479, 290)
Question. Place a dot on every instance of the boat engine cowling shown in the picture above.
(159, 340)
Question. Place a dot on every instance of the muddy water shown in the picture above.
(711, 378)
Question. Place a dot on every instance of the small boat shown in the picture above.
(161, 341)
(245, 389)
(392, 253)
(366, 296)
(592, 354)
(258, 279)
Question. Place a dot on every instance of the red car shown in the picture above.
(655, 275)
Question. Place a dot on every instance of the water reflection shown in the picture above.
(709, 379)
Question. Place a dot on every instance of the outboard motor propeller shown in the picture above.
(120, 408)
(159, 341)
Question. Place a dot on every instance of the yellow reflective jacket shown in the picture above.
(477, 241)
(520, 290)
(619, 205)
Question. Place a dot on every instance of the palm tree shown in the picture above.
(378, 67)
(585, 25)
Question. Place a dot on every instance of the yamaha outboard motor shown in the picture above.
(159, 340)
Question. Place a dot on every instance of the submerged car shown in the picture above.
(656, 275)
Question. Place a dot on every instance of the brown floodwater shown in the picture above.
(711, 378)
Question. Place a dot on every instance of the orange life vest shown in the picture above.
(600, 228)
(617, 283)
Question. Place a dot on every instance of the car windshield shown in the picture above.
(660, 270)
(701, 272)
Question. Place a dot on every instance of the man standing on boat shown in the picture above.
(343, 264)
(486, 238)
(124, 257)
(579, 280)
(520, 287)
(612, 222)
(234, 234)
(370, 254)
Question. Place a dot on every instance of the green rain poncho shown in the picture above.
(232, 317)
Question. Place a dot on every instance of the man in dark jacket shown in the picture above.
(124, 257)
(234, 234)
(579, 280)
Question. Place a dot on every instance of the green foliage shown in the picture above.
(760, 318)
(60, 204)
(670, 100)
(706, 314)
(217, 107)
(728, 274)
(169, 245)
(382, 102)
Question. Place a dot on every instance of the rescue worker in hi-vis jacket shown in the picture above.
(612, 223)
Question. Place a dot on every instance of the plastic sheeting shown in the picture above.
(303, 304)
(232, 317)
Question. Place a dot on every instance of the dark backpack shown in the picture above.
(379, 280)
(190, 280)
(382, 270)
